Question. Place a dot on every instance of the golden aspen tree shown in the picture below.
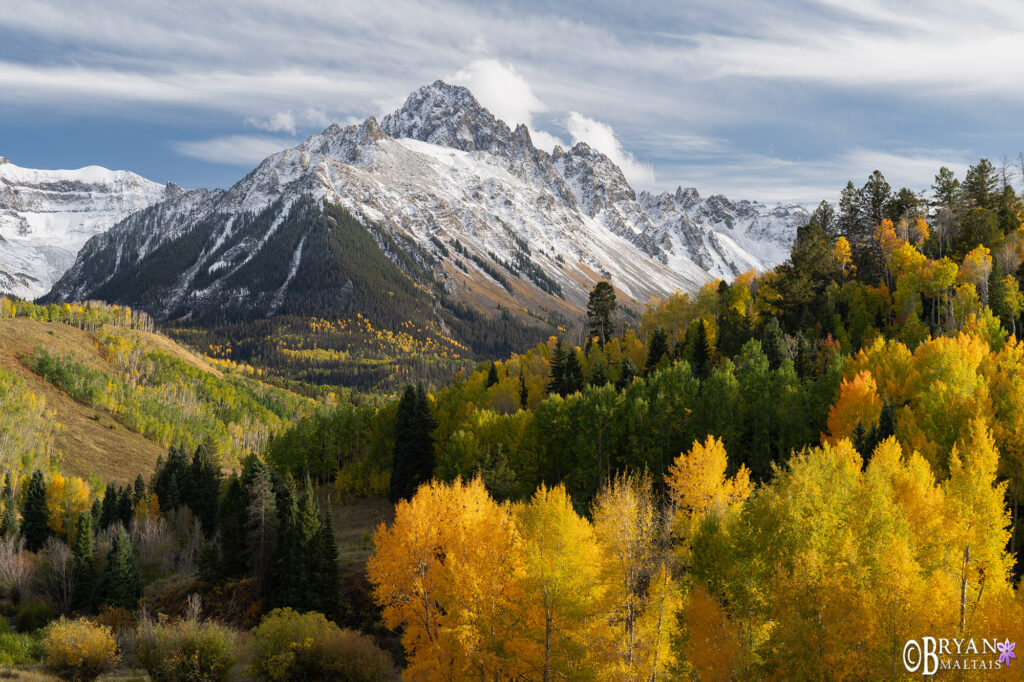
(698, 486)
(641, 595)
(858, 405)
(447, 571)
(561, 589)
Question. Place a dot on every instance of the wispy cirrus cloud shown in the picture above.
(234, 150)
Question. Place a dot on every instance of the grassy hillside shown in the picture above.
(110, 399)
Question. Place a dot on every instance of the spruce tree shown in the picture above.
(997, 295)
(773, 341)
(125, 508)
(626, 374)
(326, 586)
(600, 307)
(556, 373)
(233, 528)
(598, 376)
(261, 524)
(9, 518)
(84, 563)
(140, 490)
(524, 393)
(701, 354)
(203, 489)
(412, 458)
(492, 375)
(572, 377)
(286, 560)
(656, 350)
(35, 514)
(109, 510)
(121, 584)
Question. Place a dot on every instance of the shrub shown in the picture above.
(294, 646)
(33, 615)
(18, 648)
(79, 649)
(186, 650)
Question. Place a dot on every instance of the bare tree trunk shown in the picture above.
(963, 589)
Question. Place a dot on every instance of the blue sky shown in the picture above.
(762, 100)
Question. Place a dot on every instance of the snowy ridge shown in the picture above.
(47, 215)
(461, 196)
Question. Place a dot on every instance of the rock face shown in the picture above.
(47, 215)
(462, 204)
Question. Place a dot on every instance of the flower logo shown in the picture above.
(1006, 652)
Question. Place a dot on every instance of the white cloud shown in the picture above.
(601, 137)
(234, 150)
(281, 122)
(507, 94)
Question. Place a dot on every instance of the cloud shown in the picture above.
(507, 94)
(234, 150)
(601, 137)
(288, 122)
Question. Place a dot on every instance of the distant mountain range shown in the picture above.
(47, 215)
(465, 208)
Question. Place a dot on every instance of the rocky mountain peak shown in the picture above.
(595, 180)
(449, 116)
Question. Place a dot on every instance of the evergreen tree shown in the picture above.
(556, 373)
(701, 355)
(656, 350)
(169, 477)
(109, 511)
(412, 458)
(140, 490)
(84, 563)
(96, 512)
(598, 377)
(849, 222)
(825, 217)
(325, 580)
(125, 508)
(234, 528)
(997, 295)
(876, 195)
(121, 584)
(492, 375)
(35, 514)
(773, 341)
(258, 485)
(626, 374)
(9, 518)
(946, 189)
(572, 378)
(980, 186)
(524, 393)
(203, 490)
(600, 307)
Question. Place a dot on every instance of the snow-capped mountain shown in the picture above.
(47, 215)
(467, 207)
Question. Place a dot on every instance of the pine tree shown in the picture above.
(326, 586)
(556, 373)
(600, 307)
(656, 350)
(121, 584)
(109, 511)
(233, 528)
(626, 374)
(572, 378)
(140, 490)
(774, 342)
(524, 393)
(169, 477)
(412, 458)
(203, 490)
(492, 375)
(598, 377)
(9, 518)
(84, 563)
(946, 189)
(701, 364)
(261, 524)
(125, 508)
(35, 514)
(997, 295)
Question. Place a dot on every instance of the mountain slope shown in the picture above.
(472, 218)
(47, 215)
